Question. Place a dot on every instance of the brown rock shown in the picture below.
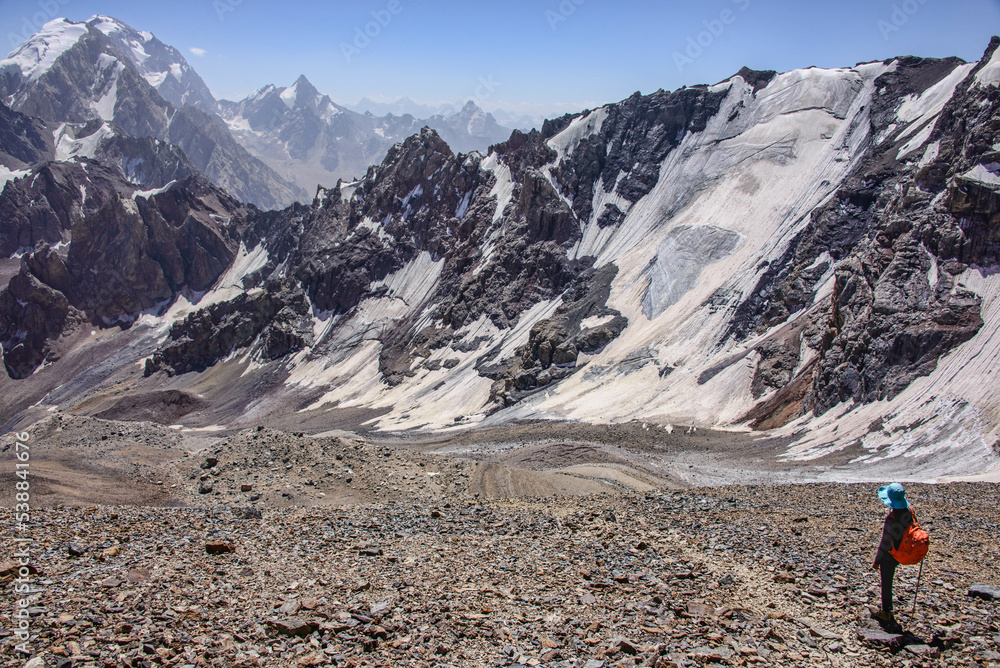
(706, 654)
(9, 570)
(294, 626)
(375, 631)
(924, 650)
(624, 646)
(219, 547)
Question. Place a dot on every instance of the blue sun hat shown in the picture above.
(893, 496)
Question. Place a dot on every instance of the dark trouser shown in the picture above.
(887, 569)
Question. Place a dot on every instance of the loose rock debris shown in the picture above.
(738, 576)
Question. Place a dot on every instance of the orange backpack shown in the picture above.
(913, 547)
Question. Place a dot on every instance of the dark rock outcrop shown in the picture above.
(134, 255)
(31, 314)
(24, 141)
(275, 318)
(555, 344)
(46, 206)
(126, 254)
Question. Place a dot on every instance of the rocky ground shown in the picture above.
(771, 575)
(89, 460)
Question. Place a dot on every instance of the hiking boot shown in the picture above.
(884, 617)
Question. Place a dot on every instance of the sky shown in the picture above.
(541, 58)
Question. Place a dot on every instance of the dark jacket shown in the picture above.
(895, 526)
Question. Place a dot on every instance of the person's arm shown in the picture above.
(892, 532)
(886, 543)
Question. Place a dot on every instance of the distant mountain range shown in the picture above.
(103, 83)
(405, 105)
(311, 140)
(101, 80)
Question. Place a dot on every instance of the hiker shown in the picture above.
(896, 522)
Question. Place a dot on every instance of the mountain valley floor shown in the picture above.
(535, 544)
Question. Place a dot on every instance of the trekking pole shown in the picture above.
(917, 588)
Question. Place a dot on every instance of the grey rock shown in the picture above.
(24, 141)
(984, 591)
(923, 650)
(877, 638)
(290, 607)
(247, 513)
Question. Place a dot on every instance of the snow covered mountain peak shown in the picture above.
(72, 74)
(305, 88)
(160, 64)
(37, 55)
(303, 95)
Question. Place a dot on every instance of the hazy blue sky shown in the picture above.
(542, 56)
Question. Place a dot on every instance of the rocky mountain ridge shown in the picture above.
(809, 252)
(103, 252)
